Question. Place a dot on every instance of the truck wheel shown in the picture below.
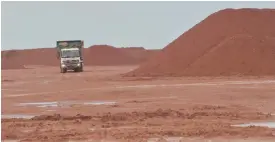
(63, 70)
(81, 68)
(76, 70)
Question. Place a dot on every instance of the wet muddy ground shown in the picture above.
(41, 104)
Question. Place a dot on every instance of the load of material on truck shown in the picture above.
(70, 55)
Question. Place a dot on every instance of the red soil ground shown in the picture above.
(228, 42)
(188, 108)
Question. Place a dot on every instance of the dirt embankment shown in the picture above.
(5, 55)
(139, 53)
(107, 55)
(228, 42)
(16, 59)
(94, 55)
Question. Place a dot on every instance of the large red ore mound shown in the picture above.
(228, 42)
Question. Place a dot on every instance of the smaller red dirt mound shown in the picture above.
(107, 55)
(8, 62)
(94, 55)
(135, 52)
(41, 56)
(139, 53)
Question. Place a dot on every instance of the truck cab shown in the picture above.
(70, 54)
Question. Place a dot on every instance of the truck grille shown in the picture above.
(71, 62)
(74, 61)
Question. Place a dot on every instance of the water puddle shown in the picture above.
(167, 139)
(260, 124)
(120, 128)
(7, 116)
(99, 103)
(10, 140)
(40, 104)
(91, 140)
(27, 130)
(153, 139)
(65, 103)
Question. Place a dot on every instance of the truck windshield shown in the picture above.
(70, 53)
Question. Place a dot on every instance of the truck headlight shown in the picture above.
(78, 64)
(63, 65)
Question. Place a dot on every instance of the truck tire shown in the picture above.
(81, 67)
(76, 70)
(63, 70)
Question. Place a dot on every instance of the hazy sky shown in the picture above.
(147, 24)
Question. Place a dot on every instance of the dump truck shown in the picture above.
(70, 54)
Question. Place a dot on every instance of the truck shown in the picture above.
(69, 52)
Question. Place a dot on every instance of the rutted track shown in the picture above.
(151, 86)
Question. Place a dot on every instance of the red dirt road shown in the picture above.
(136, 109)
